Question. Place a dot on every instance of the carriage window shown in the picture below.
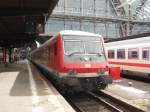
(121, 53)
(145, 54)
(111, 54)
(133, 54)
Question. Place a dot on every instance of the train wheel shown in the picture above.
(103, 86)
(103, 81)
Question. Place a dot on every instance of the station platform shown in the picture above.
(24, 89)
(133, 92)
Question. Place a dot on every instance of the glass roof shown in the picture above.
(133, 5)
(144, 13)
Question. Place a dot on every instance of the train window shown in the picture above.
(111, 54)
(93, 47)
(49, 52)
(133, 54)
(71, 47)
(55, 49)
(121, 53)
(145, 54)
(38, 55)
(45, 55)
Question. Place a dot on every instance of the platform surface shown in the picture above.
(24, 89)
(133, 92)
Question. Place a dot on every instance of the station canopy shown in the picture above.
(22, 20)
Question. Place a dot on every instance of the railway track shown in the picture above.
(84, 102)
(98, 102)
(108, 104)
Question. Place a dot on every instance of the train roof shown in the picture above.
(69, 32)
(75, 32)
(133, 43)
(129, 37)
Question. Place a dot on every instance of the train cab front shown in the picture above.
(85, 62)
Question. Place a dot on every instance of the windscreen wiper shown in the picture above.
(72, 53)
(99, 54)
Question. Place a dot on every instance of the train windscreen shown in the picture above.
(76, 49)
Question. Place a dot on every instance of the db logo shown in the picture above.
(87, 65)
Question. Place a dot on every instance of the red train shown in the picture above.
(75, 60)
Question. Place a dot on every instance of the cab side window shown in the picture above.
(55, 49)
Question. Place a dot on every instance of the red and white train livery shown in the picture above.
(132, 56)
(75, 59)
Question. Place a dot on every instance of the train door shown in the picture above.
(53, 55)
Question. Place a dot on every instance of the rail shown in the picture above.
(99, 102)
(106, 103)
(121, 106)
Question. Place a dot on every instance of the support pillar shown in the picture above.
(10, 60)
(4, 55)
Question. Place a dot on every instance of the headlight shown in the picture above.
(86, 58)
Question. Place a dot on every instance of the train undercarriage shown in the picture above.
(70, 84)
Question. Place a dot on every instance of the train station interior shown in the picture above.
(75, 55)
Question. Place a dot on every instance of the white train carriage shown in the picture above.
(132, 56)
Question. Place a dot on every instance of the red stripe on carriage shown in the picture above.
(130, 64)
